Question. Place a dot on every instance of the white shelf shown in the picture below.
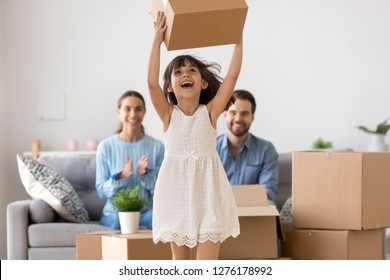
(81, 153)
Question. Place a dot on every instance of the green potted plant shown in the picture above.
(378, 134)
(129, 204)
(321, 144)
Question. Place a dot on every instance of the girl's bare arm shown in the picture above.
(217, 105)
(159, 101)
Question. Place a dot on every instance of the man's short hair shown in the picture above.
(245, 95)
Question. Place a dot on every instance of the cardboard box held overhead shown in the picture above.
(201, 23)
(258, 226)
(341, 190)
(310, 244)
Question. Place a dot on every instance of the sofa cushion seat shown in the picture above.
(59, 234)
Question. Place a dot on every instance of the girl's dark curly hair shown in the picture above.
(208, 72)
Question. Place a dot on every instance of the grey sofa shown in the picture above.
(54, 240)
(57, 240)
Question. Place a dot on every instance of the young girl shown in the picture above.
(194, 204)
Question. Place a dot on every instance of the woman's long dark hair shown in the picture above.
(120, 100)
(208, 72)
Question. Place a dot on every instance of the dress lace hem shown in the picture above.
(191, 240)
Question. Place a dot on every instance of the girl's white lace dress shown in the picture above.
(193, 200)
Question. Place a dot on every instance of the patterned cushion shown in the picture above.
(42, 182)
(286, 212)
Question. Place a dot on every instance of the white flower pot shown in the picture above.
(377, 143)
(129, 222)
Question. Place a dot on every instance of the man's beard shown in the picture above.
(239, 132)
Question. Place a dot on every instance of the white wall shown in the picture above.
(4, 179)
(317, 68)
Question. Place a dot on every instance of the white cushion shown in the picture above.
(42, 182)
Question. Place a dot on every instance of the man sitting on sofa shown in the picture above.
(246, 158)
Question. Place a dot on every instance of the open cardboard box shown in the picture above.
(259, 226)
(201, 23)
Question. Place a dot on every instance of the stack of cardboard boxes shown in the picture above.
(340, 205)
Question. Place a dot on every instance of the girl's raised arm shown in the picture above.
(226, 89)
(157, 96)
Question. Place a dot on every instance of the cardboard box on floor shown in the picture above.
(89, 245)
(310, 244)
(341, 190)
(201, 23)
(257, 240)
(259, 224)
(112, 245)
(134, 246)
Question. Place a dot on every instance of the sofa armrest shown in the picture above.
(285, 179)
(17, 229)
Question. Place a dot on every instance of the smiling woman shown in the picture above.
(128, 159)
